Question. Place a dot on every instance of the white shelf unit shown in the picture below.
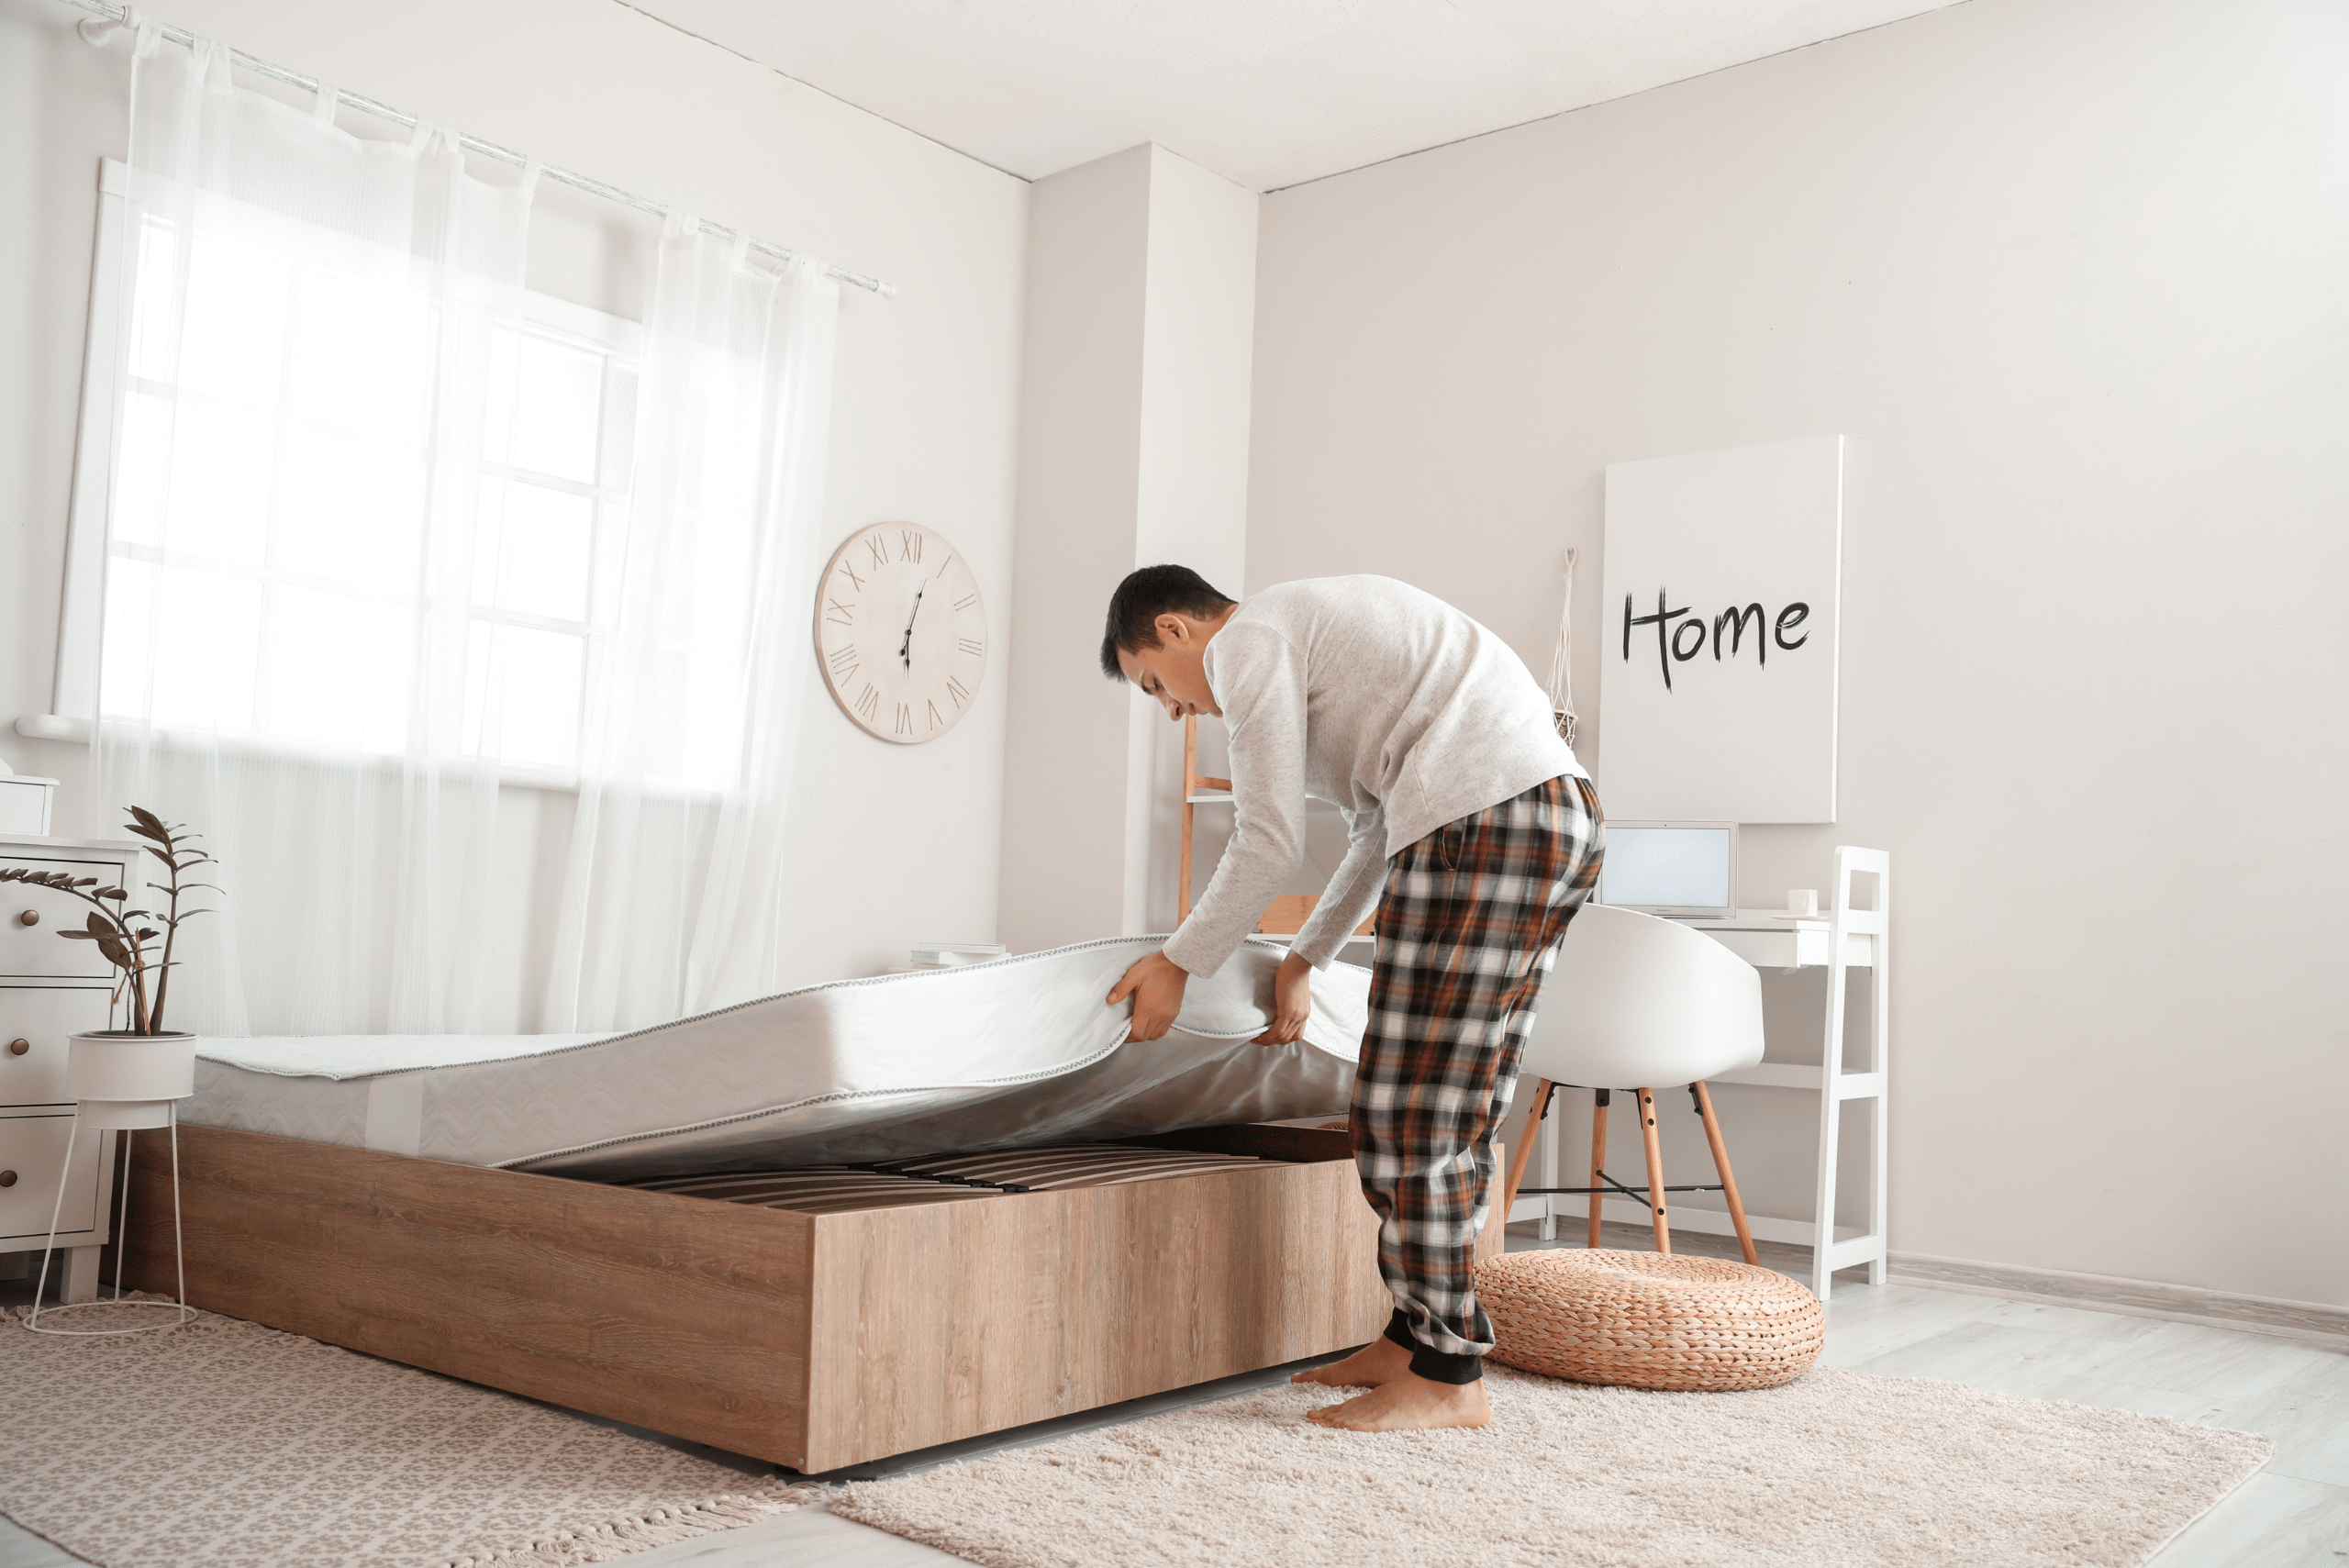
(1848, 938)
(50, 989)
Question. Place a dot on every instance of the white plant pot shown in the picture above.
(129, 1081)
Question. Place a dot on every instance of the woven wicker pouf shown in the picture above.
(1650, 1319)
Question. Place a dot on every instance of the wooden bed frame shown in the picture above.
(815, 1340)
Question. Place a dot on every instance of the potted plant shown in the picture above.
(133, 1073)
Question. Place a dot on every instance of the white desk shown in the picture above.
(1844, 939)
(1767, 940)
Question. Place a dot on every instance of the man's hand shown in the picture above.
(1292, 1002)
(1156, 985)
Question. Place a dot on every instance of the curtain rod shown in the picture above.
(105, 18)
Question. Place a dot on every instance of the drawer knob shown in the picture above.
(7, 1178)
(18, 1047)
(29, 918)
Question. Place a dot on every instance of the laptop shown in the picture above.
(1682, 871)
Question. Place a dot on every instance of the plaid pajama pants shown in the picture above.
(1467, 928)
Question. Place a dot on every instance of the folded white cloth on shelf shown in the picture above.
(962, 1058)
(941, 955)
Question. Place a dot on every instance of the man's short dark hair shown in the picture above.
(1147, 594)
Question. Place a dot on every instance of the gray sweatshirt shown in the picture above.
(1382, 700)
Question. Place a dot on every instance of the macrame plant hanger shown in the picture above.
(1561, 665)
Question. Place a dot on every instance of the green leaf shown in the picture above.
(147, 819)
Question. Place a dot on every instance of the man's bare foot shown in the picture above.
(1380, 1362)
(1409, 1404)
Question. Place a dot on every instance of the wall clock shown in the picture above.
(901, 631)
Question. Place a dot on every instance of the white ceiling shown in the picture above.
(1268, 93)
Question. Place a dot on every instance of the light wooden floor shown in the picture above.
(2294, 1514)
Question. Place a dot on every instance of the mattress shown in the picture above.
(986, 1056)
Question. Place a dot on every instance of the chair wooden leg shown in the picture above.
(1599, 1099)
(1655, 1172)
(1524, 1149)
(1720, 1164)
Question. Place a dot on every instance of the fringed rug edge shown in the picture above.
(622, 1537)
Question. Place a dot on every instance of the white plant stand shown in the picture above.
(122, 1084)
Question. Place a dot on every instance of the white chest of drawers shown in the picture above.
(50, 989)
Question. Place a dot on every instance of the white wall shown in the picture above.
(892, 845)
(1193, 507)
(1134, 450)
(2069, 274)
(1080, 464)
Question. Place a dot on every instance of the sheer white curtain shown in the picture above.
(292, 543)
(675, 891)
(378, 547)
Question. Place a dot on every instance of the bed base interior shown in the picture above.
(947, 1178)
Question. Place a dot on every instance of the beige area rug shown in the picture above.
(1836, 1468)
(227, 1445)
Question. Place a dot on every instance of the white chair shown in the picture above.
(1639, 1003)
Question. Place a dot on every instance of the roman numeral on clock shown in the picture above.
(905, 720)
(956, 692)
(843, 660)
(970, 645)
(966, 601)
(880, 548)
(935, 716)
(849, 573)
(838, 613)
(909, 547)
(868, 703)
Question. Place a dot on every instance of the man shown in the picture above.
(1475, 834)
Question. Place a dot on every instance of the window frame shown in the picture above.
(75, 690)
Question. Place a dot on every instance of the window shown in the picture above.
(297, 602)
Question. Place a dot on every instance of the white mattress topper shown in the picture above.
(972, 1057)
(340, 1057)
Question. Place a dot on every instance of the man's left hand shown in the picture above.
(1292, 1002)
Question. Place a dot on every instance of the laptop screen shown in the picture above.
(1670, 868)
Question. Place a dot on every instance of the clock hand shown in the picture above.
(906, 648)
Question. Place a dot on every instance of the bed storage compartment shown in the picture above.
(816, 1340)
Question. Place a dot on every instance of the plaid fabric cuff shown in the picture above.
(1434, 1366)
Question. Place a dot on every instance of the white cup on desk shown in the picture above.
(1802, 904)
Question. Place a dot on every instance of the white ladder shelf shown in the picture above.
(1854, 938)
(1837, 1088)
